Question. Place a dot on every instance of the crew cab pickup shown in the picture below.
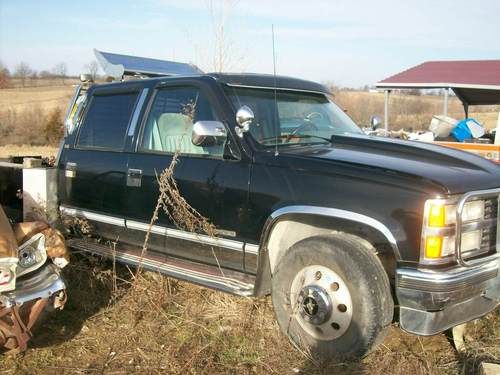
(347, 232)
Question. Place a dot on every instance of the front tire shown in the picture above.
(332, 297)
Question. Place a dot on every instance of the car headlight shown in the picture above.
(439, 227)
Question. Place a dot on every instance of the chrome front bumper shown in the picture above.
(433, 301)
(44, 283)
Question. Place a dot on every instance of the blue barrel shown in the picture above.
(461, 131)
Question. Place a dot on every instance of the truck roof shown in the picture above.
(242, 80)
(268, 81)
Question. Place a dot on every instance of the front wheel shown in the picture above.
(332, 297)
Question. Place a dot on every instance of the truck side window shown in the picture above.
(106, 122)
(170, 122)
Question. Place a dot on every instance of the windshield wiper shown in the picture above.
(311, 136)
(300, 136)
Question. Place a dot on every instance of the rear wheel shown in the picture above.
(332, 297)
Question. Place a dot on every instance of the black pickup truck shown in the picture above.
(347, 232)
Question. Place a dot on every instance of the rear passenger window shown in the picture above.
(106, 121)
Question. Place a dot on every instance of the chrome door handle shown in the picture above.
(134, 177)
(134, 172)
(70, 170)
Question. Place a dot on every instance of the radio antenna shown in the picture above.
(276, 119)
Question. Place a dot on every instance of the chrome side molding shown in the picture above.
(157, 229)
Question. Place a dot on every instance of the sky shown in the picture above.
(348, 43)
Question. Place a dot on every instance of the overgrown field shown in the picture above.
(33, 115)
(114, 324)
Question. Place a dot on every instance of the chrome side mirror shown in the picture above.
(244, 117)
(375, 122)
(86, 78)
(208, 133)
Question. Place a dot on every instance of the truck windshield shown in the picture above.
(294, 117)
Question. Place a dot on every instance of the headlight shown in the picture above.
(439, 227)
(440, 213)
(32, 254)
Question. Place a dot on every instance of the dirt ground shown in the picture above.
(115, 325)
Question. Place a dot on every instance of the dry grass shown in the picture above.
(166, 326)
(409, 111)
(50, 97)
(25, 112)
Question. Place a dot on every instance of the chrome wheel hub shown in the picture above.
(315, 305)
(321, 302)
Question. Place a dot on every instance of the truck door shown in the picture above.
(93, 170)
(213, 183)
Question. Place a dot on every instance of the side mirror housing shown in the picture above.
(86, 78)
(244, 117)
(375, 122)
(208, 133)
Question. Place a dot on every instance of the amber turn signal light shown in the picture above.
(433, 246)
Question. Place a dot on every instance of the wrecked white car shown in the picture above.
(31, 257)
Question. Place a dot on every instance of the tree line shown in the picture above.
(25, 74)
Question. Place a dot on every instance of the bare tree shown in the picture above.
(223, 46)
(33, 77)
(45, 74)
(22, 71)
(92, 68)
(60, 70)
(4, 76)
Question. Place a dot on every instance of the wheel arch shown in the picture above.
(300, 222)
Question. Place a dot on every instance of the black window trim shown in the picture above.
(108, 92)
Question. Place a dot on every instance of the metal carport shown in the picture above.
(474, 82)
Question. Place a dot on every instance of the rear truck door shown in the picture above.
(93, 163)
(213, 180)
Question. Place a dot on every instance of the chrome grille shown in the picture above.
(489, 228)
(489, 235)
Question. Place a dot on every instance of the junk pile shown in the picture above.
(466, 134)
(32, 255)
(448, 129)
(443, 128)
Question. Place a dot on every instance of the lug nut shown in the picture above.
(317, 275)
(334, 286)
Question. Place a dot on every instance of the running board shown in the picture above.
(209, 276)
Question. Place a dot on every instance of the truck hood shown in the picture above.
(456, 171)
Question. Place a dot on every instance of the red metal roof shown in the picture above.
(468, 73)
